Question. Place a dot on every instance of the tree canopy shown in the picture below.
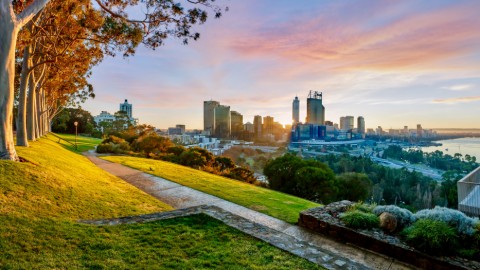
(52, 45)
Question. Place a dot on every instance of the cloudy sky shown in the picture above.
(394, 62)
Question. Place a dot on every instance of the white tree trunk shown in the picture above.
(37, 113)
(31, 109)
(22, 101)
(8, 38)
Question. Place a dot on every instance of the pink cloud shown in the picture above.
(411, 40)
(457, 100)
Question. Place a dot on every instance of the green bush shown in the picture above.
(360, 220)
(105, 148)
(463, 224)
(362, 207)
(431, 236)
(113, 139)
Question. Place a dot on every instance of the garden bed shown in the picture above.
(326, 220)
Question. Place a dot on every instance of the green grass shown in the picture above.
(273, 203)
(83, 143)
(41, 201)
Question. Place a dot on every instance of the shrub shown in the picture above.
(113, 139)
(121, 147)
(456, 219)
(404, 216)
(362, 207)
(360, 220)
(431, 236)
(105, 148)
(241, 174)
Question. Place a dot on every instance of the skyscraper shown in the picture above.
(349, 122)
(315, 108)
(296, 111)
(222, 127)
(361, 125)
(209, 116)
(126, 107)
(419, 131)
(257, 125)
(268, 125)
(237, 123)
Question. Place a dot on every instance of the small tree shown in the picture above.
(354, 186)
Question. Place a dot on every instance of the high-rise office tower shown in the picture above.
(268, 125)
(349, 122)
(222, 127)
(237, 123)
(126, 107)
(257, 125)
(248, 127)
(361, 125)
(342, 123)
(419, 131)
(209, 116)
(315, 108)
(182, 128)
(296, 111)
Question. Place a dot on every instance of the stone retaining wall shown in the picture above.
(320, 220)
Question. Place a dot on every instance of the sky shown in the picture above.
(396, 63)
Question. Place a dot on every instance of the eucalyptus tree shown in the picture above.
(161, 19)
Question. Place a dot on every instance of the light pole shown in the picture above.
(76, 125)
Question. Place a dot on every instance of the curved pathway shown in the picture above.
(299, 241)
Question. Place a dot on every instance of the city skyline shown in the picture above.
(394, 63)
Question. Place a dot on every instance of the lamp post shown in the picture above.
(76, 125)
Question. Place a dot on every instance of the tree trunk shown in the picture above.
(37, 112)
(22, 101)
(8, 39)
(45, 114)
(31, 102)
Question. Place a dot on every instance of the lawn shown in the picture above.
(41, 201)
(83, 143)
(270, 202)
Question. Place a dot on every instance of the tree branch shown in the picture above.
(27, 14)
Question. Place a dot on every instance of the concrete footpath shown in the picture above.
(299, 241)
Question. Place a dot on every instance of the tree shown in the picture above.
(121, 122)
(224, 163)
(304, 178)
(281, 172)
(354, 186)
(64, 122)
(316, 184)
(162, 19)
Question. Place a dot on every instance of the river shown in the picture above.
(470, 146)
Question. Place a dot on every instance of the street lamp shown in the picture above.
(76, 125)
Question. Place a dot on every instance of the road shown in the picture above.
(394, 164)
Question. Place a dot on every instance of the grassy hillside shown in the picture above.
(273, 203)
(41, 200)
(59, 183)
(83, 143)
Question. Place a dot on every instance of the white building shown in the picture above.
(103, 117)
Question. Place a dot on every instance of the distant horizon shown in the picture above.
(394, 63)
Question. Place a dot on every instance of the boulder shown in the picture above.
(388, 222)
